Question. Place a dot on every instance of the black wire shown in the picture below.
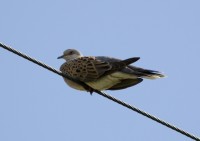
(102, 93)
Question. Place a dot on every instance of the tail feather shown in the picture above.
(145, 73)
(151, 74)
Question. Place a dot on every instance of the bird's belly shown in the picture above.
(102, 83)
(108, 81)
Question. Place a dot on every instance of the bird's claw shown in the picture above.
(90, 90)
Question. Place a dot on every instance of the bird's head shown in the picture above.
(70, 54)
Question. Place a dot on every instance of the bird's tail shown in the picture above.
(151, 74)
(145, 73)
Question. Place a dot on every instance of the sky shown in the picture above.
(36, 104)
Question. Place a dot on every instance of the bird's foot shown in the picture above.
(89, 89)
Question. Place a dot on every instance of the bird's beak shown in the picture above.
(60, 57)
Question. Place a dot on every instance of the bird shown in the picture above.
(103, 72)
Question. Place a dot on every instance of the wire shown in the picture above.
(43, 65)
(102, 93)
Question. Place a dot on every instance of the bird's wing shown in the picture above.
(107, 59)
(91, 68)
(136, 71)
(129, 69)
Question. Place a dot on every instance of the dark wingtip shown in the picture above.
(131, 60)
(136, 58)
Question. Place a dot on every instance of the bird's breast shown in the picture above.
(74, 85)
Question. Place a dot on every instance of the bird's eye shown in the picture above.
(71, 52)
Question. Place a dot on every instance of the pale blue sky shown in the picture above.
(36, 104)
